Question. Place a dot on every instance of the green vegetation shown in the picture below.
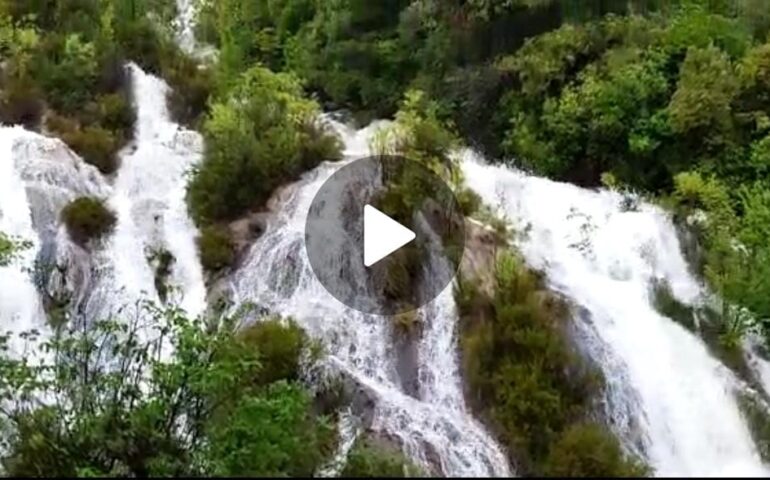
(755, 411)
(634, 92)
(261, 136)
(368, 461)
(589, 451)
(162, 261)
(87, 219)
(667, 97)
(224, 402)
(216, 248)
(10, 248)
(62, 61)
(526, 381)
(418, 135)
(64, 69)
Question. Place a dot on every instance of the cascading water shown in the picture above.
(434, 428)
(38, 177)
(603, 257)
(20, 306)
(187, 10)
(148, 198)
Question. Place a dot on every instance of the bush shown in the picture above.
(523, 376)
(588, 450)
(258, 138)
(87, 218)
(97, 146)
(366, 460)
(195, 413)
(469, 201)
(21, 103)
(163, 262)
(140, 41)
(191, 85)
(216, 248)
(280, 346)
(318, 144)
(114, 112)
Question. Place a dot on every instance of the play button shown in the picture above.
(384, 235)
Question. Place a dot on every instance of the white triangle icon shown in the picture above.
(382, 235)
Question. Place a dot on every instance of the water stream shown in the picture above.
(603, 254)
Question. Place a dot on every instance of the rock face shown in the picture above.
(53, 176)
(482, 244)
(245, 230)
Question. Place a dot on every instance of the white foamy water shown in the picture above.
(604, 258)
(149, 200)
(433, 429)
(38, 177)
(185, 22)
(20, 306)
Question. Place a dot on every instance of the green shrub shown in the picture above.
(407, 324)
(271, 434)
(216, 248)
(141, 42)
(88, 218)
(318, 144)
(258, 138)
(96, 146)
(366, 460)
(21, 103)
(163, 261)
(114, 112)
(191, 85)
(589, 450)
(469, 201)
(280, 346)
(523, 376)
(67, 71)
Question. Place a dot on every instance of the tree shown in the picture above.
(701, 103)
(156, 393)
(263, 134)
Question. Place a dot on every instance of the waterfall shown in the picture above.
(434, 428)
(185, 25)
(38, 177)
(20, 306)
(603, 255)
(149, 199)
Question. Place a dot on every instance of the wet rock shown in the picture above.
(482, 244)
(245, 230)
(406, 341)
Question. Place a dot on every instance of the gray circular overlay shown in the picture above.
(409, 193)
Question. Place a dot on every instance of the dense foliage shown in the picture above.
(215, 248)
(365, 460)
(263, 134)
(155, 393)
(627, 93)
(668, 97)
(63, 63)
(529, 385)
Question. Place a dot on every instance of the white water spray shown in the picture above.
(20, 306)
(149, 200)
(604, 258)
(38, 177)
(434, 429)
